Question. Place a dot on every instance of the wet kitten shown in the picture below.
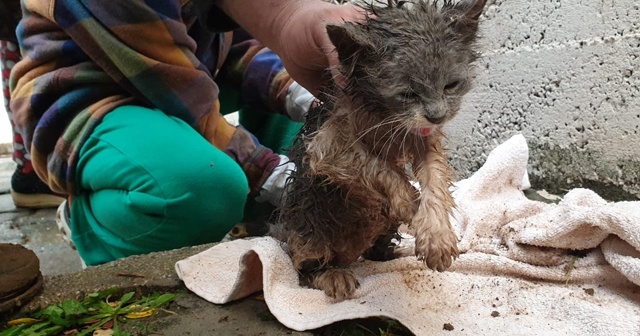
(408, 67)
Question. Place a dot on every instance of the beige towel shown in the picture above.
(526, 267)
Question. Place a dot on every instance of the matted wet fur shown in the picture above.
(407, 68)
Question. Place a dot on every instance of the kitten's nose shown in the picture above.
(436, 120)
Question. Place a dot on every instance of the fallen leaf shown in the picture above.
(101, 332)
(138, 315)
(134, 307)
(24, 320)
(70, 332)
(107, 325)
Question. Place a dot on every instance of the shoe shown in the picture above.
(28, 191)
(62, 221)
(63, 218)
(20, 277)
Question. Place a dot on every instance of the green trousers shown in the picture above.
(149, 182)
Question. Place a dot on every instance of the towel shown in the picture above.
(525, 268)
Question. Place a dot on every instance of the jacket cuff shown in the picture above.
(256, 160)
(259, 167)
(273, 189)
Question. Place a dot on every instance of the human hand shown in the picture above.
(296, 31)
(304, 46)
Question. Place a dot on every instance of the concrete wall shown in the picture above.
(565, 73)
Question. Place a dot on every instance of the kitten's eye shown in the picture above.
(451, 86)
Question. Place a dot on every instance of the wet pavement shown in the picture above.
(65, 278)
(35, 229)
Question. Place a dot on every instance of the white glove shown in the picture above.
(273, 188)
(298, 101)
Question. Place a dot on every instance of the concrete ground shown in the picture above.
(65, 279)
(35, 229)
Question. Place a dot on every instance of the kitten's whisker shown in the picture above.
(404, 139)
(406, 133)
(390, 141)
(389, 129)
(386, 136)
(384, 122)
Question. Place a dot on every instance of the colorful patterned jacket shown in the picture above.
(83, 58)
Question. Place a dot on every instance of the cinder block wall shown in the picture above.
(566, 74)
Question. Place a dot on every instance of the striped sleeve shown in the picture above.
(98, 54)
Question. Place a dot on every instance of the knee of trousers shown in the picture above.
(217, 198)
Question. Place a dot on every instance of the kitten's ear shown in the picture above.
(464, 17)
(348, 41)
(472, 9)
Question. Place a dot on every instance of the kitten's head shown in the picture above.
(411, 61)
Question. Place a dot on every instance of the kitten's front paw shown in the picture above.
(436, 245)
(337, 283)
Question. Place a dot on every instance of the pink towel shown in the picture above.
(518, 272)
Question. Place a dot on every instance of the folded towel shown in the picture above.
(525, 268)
